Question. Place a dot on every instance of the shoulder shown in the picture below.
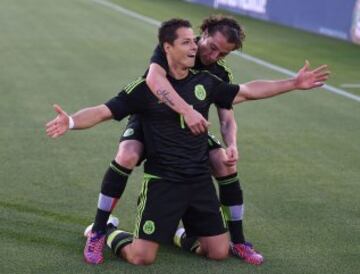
(204, 74)
(137, 84)
(225, 71)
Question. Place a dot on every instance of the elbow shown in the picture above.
(103, 113)
(151, 82)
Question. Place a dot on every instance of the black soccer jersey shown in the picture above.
(219, 68)
(172, 151)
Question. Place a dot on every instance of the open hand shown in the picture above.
(58, 126)
(308, 79)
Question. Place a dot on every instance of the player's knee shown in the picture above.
(142, 259)
(127, 159)
(217, 161)
(128, 156)
(220, 253)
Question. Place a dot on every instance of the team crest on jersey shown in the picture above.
(149, 227)
(200, 92)
(128, 132)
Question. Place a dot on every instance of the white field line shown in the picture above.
(350, 85)
(253, 59)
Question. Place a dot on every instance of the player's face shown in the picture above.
(212, 48)
(184, 48)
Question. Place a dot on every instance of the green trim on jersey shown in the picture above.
(130, 87)
(194, 71)
(182, 122)
(150, 176)
(141, 205)
(223, 64)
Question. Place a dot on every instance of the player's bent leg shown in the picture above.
(217, 163)
(112, 188)
(230, 194)
(129, 153)
(134, 251)
(231, 199)
(214, 247)
(140, 252)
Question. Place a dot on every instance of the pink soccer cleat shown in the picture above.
(246, 252)
(93, 251)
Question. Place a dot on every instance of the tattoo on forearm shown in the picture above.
(164, 97)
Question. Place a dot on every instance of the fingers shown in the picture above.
(318, 84)
(232, 156)
(52, 122)
(321, 79)
(198, 129)
(58, 109)
(305, 67)
(200, 126)
(320, 69)
(52, 129)
(324, 74)
(54, 132)
(195, 130)
(307, 64)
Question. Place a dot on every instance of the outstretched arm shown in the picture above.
(305, 79)
(84, 118)
(162, 89)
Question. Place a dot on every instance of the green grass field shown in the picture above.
(300, 153)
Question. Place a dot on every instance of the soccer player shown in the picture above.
(219, 36)
(177, 182)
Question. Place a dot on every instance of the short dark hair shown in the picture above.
(227, 26)
(167, 30)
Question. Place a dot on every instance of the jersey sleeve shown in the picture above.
(159, 58)
(224, 94)
(126, 103)
(224, 71)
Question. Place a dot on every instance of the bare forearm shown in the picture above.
(163, 90)
(262, 89)
(91, 116)
(228, 126)
(228, 132)
(166, 93)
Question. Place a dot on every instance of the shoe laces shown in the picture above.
(96, 243)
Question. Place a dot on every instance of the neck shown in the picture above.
(176, 70)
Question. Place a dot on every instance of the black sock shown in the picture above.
(231, 199)
(113, 186)
(118, 239)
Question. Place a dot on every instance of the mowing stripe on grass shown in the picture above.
(258, 61)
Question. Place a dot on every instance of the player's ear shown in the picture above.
(166, 47)
(205, 34)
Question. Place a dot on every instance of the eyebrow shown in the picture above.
(221, 52)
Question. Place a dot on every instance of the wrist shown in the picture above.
(294, 83)
(71, 123)
(232, 146)
(186, 109)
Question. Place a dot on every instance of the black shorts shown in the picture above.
(162, 204)
(213, 142)
(133, 131)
